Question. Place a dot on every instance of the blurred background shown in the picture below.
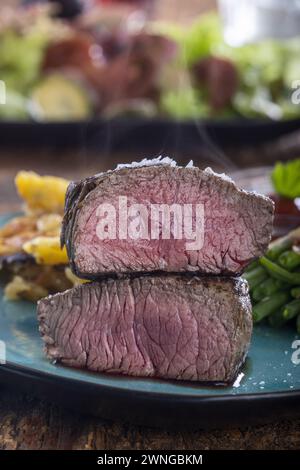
(87, 84)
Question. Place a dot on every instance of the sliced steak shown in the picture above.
(169, 326)
(237, 224)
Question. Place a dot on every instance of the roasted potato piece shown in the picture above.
(76, 281)
(6, 250)
(42, 194)
(46, 250)
(15, 233)
(29, 280)
(11, 245)
(49, 224)
(18, 225)
(18, 288)
(22, 229)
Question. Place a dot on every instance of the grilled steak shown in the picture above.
(168, 326)
(236, 225)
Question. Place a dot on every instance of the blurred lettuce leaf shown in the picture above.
(259, 63)
(286, 179)
(200, 39)
(267, 71)
(183, 103)
(20, 58)
(257, 104)
(15, 107)
(203, 38)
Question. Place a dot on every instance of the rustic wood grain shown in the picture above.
(29, 423)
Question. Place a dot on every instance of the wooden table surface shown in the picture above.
(28, 422)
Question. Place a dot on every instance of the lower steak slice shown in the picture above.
(168, 326)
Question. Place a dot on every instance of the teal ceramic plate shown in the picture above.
(270, 386)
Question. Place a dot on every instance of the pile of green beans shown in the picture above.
(274, 283)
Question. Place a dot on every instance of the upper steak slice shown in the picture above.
(167, 326)
(237, 224)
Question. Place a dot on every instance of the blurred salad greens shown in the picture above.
(265, 69)
(219, 81)
(20, 59)
(23, 41)
(286, 179)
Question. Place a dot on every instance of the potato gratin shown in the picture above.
(32, 263)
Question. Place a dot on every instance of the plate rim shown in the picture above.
(14, 368)
(162, 120)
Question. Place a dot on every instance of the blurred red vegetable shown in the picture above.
(219, 77)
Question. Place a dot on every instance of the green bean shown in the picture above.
(292, 309)
(280, 273)
(251, 266)
(289, 260)
(277, 319)
(269, 305)
(266, 288)
(295, 292)
(255, 277)
(279, 247)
